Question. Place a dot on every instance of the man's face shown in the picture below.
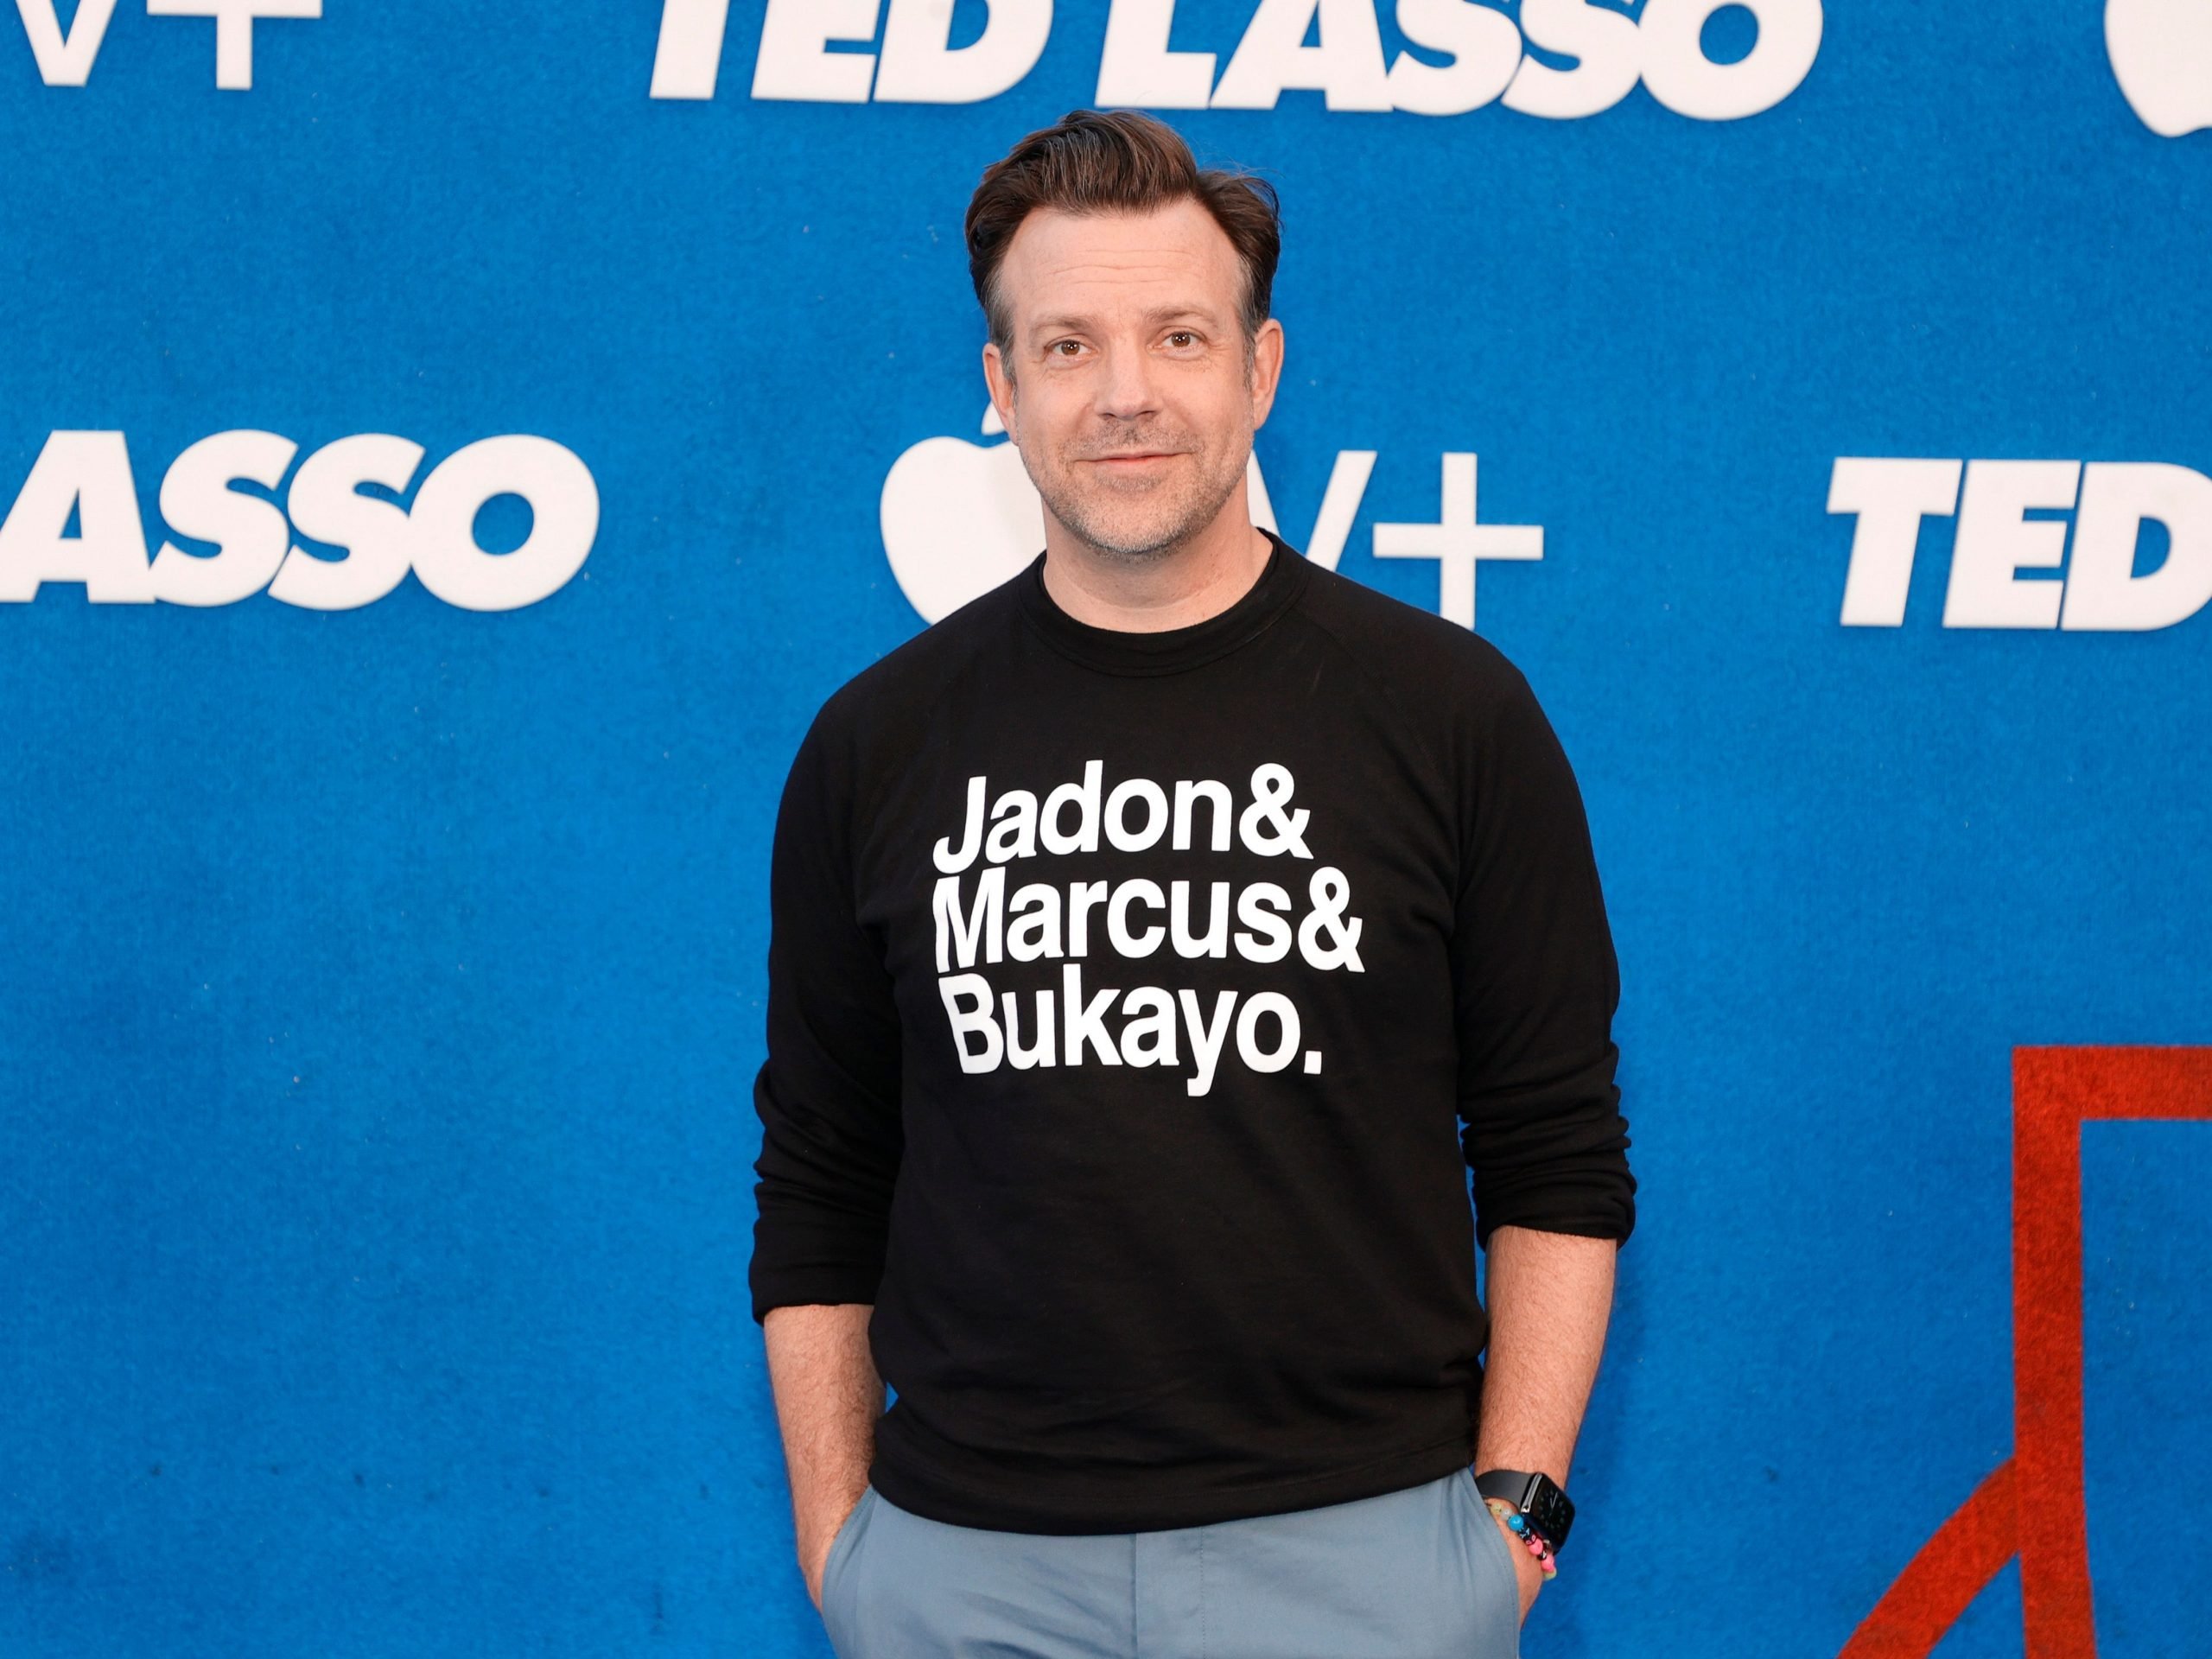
(1127, 385)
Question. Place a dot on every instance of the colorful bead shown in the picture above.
(1519, 1525)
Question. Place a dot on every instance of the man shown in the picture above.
(1157, 942)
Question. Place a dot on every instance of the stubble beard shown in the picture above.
(1137, 527)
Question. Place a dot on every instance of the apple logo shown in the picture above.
(2161, 52)
(959, 517)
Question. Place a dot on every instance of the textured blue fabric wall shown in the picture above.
(382, 964)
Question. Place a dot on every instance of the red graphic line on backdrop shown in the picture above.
(2031, 1505)
(1937, 1584)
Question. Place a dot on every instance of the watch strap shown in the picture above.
(1515, 1486)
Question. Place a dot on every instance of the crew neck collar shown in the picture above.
(1169, 650)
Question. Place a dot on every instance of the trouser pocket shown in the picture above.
(1491, 1540)
(836, 1572)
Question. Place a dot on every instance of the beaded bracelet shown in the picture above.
(1519, 1522)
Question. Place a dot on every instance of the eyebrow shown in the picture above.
(1156, 316)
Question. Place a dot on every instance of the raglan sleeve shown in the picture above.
(827, 1093)
(1536, 985)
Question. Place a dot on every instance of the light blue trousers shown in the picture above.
(1421, 1573)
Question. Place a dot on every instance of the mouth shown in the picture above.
(1133, 460)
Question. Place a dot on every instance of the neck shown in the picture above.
(1184, 586)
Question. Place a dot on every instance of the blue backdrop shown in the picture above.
(380, 986)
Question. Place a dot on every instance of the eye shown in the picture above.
(1181, 335)
(1054, 349)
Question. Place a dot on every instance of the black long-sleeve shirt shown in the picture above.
(1138, 1003)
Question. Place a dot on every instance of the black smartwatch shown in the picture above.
(1538, 1497)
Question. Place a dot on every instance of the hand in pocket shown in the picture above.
(814, 1565)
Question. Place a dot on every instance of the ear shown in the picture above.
(1000, 379)
(1267, 369)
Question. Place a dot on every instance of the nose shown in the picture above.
(1126, 391)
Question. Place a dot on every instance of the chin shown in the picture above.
(1135, 542)
(1136, 531)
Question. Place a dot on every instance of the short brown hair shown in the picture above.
(1117, 161)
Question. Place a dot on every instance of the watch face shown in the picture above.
(1551, 1513)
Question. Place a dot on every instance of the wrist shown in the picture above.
(1533, 1504)
(1515, 1525)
